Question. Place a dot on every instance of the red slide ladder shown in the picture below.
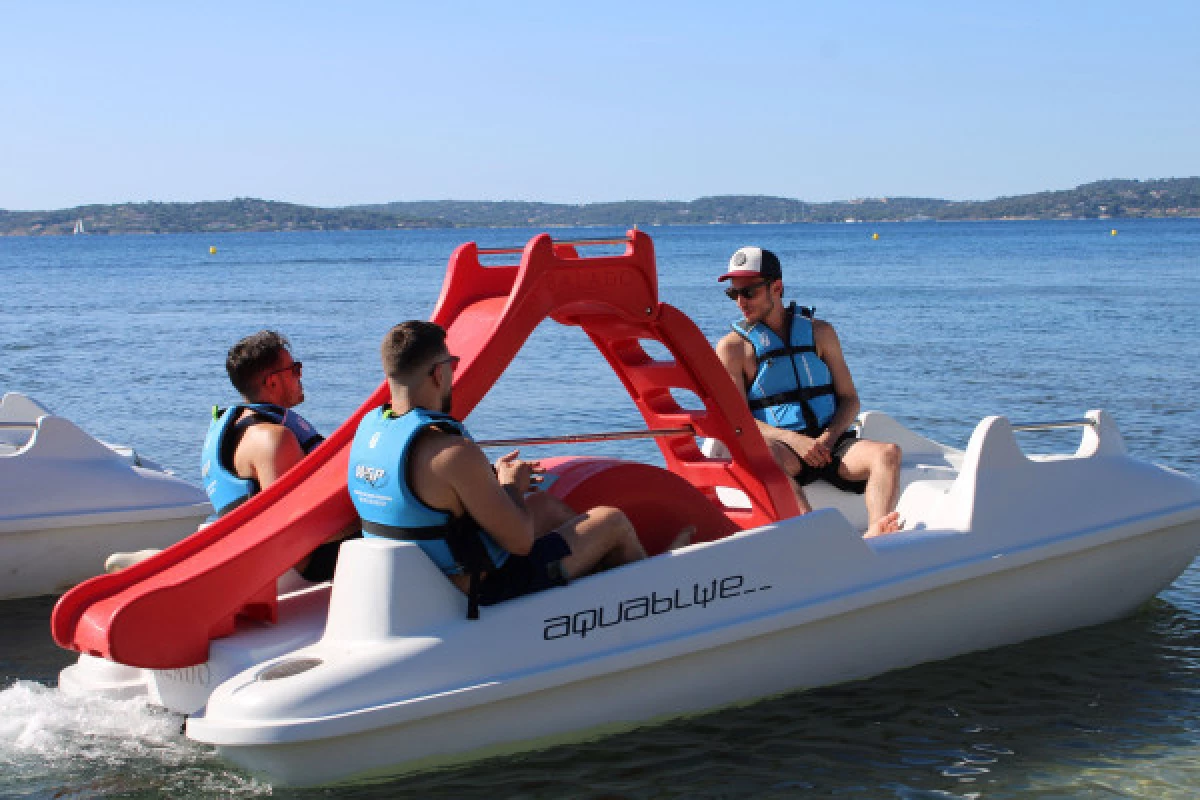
(161, 613)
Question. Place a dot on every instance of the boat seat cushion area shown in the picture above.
(659, 503)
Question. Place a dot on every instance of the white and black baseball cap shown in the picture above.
(749, 262)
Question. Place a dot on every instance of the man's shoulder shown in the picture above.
(733, 344)
(822, 326)
(266, 433)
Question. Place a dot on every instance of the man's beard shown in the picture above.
(447, 401)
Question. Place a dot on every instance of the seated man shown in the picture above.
(415, 475)
(791, 368)
(251, 444)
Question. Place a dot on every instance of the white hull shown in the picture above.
(928, 626)
(68, 501)
(384, 674)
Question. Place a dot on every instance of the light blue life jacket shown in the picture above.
(792, 388)
(378, 483)
(226, 491)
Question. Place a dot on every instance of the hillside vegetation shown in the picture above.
(1172, 197)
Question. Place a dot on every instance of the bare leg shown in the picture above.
(790, 463)
(683, 538)
(601, 538)
(879, 464)
(548, 512)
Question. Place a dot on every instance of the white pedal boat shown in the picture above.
(382, 673)
(68, 500)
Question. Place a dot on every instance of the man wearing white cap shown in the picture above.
(791, 368)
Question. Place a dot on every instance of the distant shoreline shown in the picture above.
(1172, 198)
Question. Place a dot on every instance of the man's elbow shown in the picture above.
(520, 542)
(522, 546)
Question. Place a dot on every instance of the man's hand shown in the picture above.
(814, 452)
(512, 471)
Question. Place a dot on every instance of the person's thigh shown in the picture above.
(548, 512)
(859, 458)
(590, 536)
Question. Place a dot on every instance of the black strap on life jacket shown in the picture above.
(801, 394)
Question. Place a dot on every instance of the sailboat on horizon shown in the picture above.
(79, 226)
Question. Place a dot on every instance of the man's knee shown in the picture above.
(613, 521)
(888, 457)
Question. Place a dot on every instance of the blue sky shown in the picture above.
(360, 102)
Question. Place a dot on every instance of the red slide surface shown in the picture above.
(162, 612)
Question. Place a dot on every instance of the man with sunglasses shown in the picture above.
(251, 444)
(791, 368)
(415, 475)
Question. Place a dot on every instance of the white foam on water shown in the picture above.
(96, 745)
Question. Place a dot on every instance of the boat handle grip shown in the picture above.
(576, 438)
(1047, 426)
(495, 251)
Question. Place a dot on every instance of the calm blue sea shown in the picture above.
(941, 324)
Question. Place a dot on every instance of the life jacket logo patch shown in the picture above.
(374, 439)
(371, 475)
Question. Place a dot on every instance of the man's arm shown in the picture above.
(463, 479)
(266, 452)
(829, 350)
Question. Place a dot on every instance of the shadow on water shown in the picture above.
(27, 650)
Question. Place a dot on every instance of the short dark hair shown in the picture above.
(253, 356)
(411, 345)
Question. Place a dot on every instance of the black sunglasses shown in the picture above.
(746, 292)
(296, 368)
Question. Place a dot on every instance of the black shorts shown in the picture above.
(539, 570)
(323, 561)
(829, 472)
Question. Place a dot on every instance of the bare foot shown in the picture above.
(119, 561)
(888, 523)
(683, 538)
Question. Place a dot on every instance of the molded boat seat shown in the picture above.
(659, 503)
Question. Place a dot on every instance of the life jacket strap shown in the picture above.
(790, 350)
(791, 396)
(404, 534)
(473, 597)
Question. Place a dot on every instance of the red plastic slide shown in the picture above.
(162, 612)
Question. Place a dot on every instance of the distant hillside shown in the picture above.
(242, 214)
(1172, 197)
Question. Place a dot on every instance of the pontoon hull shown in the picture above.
(807, 644)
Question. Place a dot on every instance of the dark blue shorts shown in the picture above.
(539, 570)
(829, 472)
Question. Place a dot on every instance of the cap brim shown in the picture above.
(737, 273)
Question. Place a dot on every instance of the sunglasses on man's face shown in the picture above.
(745, 292)
(296, 368)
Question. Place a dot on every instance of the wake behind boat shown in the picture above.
(382, 672)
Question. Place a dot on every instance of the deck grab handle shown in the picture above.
(495, 251)
(577, 438)
(1047, 426)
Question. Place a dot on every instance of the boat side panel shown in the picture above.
(1036, 600)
